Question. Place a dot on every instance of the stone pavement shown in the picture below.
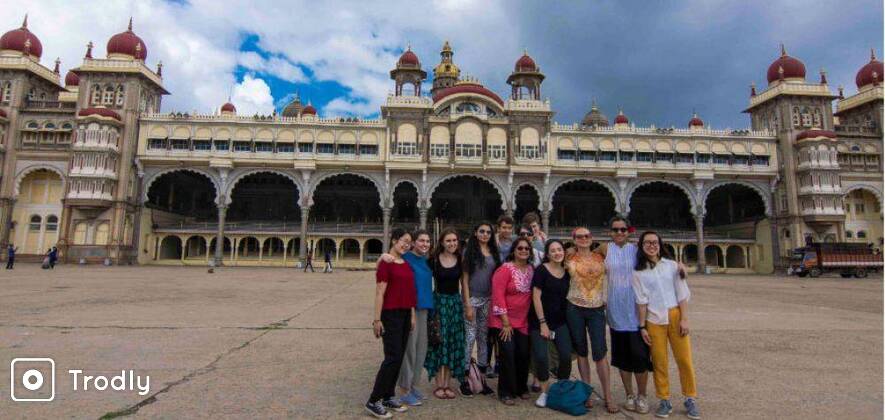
(278, 343)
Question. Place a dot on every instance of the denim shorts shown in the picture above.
(583, 322)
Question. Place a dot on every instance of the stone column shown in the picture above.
(702, 258)
(509, 213)
(386, 211)
(422, 214)
(219, 236)
(302, 246)
(545, 221)
(6, 206)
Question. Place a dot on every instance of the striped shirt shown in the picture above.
(619, 264)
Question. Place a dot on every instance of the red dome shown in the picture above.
(71, 79)
(621, 118)
(101, 112)
(127, 43)
(408, 59)
(229, 107)
(467, 88)
(17, 38)
(696, 121)
(525, 63)
(793, 68)
(813, 134)
(309, 110)
(865, 74)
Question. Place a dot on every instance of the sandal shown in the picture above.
(440, 393)
(589, 402)
(508, 401)
(612, 407)
(450, 395)
(525, 396)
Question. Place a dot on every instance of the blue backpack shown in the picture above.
(569, 397)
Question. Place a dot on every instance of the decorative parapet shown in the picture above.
(270, 119)
(862, 97)
(121, 66)
(408, 101)
(787, 88)
(27, 63)
(527, 105)
(576, 128)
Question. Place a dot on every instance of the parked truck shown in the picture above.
(847, 259)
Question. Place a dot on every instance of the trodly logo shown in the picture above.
(32, 379)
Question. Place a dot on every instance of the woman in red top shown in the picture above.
(508, 322)
(395, 299)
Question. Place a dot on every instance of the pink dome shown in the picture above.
(127, 43)
(621, 118)
(409, 59)
(229, 107)
(866, 76)
(309, 110)
(17, 38)
(696, 121)
(71, 79)
(525, 63)
(467, 88)
(793, 68)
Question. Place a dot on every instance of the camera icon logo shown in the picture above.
(32, 379)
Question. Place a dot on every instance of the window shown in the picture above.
(796, 117)
(741, 160)
(530, 152)
(305, 147)
(263, 146)
(849, 234)
(720, 159)
(587, 155)
(468, 150)
(626, 156)
(285, 148)
(703, 158)
(608, 156)
(406, 148)
(119, 95)
(368, 149)
(497, 151)
(859, 208)
(439, 150)
(327, 148)
(468, 107)
(566, 154)
(847, 207)
(644, 156)
(52, 223)
(221, 145)
(35, 223)
(759, 160)
(7, 92)
(32, 94)
(242, 146)
(346, 149)
(96, 94)
(179, 144)
(663, 157)
(861, 234)
(684, 158)
(108, 96)
(156, 143)
(202, 145)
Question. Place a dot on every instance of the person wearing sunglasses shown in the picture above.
(533, 221)
(662, 302)
(630, 354)
(585, 313)
(511, 300)
(526, 231)
(395, 300)
(481, 258)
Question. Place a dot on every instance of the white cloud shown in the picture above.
(276, 66)
(252, 96)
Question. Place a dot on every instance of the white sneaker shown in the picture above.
(542, 400)
(641, 405)
(630, 405)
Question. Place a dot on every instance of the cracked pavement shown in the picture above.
(279, 343)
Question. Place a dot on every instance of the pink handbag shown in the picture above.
(475, 379)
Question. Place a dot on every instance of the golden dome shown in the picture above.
(446, 70)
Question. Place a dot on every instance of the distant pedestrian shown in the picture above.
(10, 256)
(309, 262)
(53, 257)
(328, 258)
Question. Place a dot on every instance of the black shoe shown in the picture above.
(465, 390)
(377, 409)
(492, 373)
(486, 390)
(395, 405)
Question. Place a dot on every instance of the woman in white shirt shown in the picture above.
(662, 300)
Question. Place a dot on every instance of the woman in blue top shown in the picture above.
(416, 348)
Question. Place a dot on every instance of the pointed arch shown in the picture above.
(153, 178)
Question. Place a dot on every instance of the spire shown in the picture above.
(823, 76)
(783, 50)
(752, 89)
(130, 24)
(872, 54)
(25, 22)
(409, 46)
(160, 68)
(88, 50)
(593, 106)
(57, 64)
(841, 92)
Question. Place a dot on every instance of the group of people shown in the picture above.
(532, 302)
(308, 262)
(49, 259)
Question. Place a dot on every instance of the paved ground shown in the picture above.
(272, 343)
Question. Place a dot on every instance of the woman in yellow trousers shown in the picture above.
(662, 300)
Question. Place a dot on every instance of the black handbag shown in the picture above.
(434, 335)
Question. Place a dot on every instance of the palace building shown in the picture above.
(91, 164)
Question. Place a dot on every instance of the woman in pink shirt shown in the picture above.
(508, 321)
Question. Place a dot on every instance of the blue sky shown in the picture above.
(657, 60)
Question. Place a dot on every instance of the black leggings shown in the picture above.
(541, 355)
(397, 323)
(514, 362)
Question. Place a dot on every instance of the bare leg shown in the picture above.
(642, 382)
(584, 369)
(627, 379)
(602, 370)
